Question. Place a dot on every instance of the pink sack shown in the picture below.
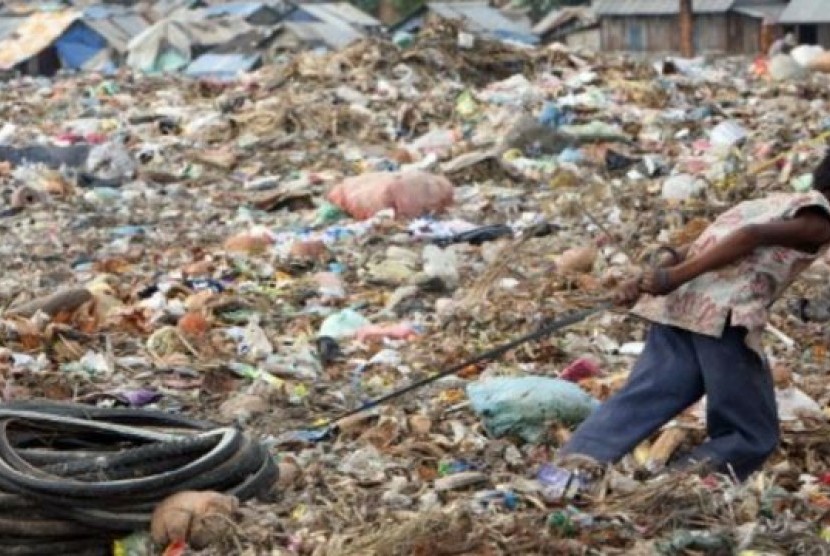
(409, 194)
(400, 331)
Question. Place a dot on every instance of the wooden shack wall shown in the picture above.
(661, 33)
(586, 38)
(744, 34)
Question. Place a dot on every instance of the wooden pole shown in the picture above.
(687, 29)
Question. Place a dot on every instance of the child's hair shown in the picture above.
(821, 175)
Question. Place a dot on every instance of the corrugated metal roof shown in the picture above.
(479, 16)
(118, 28)
(658, 7)
(238, 9)
(807, 11)
(332, 35)
(222, 64)
(340, 11)
(33, 35)
(771, 12)
(556, 18)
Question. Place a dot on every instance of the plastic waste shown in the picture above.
(557, 484)
(366, 465)
(568, 521)
(525, 406)
(438, 142)
(477, 236)
(793, 403)
(330, 285)
(784, 68)
(327, 350)
(488, 500)
(516, 90)
(596, 130)
(465, 105)
(466, 41)
(806, 54)
(111, 161)
(402, 39)
(802, 183)
(343, 324)
(681, 187)
(399, 331)
(616, 162)
(442, 264)
(727, 134)
(255, 344)
(552, 115)
(703, 541)
(409, 194)
(570, 156)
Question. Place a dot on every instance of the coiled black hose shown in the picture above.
(73, 477)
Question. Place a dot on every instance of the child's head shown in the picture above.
(821, 175)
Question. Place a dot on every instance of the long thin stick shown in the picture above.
(488, 355)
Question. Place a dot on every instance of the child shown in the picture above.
(708, 309)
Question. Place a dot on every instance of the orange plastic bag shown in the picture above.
(409, 194)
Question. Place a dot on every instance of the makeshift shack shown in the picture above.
(173, 43)
(810, 19)
(339, 14)
(32, 47)
(575, 27)
(325, 27)
(98, 41)
(245, 53)
(315, 35)
(478, 18)
(720, 26)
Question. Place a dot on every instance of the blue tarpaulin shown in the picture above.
(220, 66)
(78, 45)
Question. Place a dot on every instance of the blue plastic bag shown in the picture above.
(525, 406)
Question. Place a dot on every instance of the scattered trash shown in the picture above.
(274, 249)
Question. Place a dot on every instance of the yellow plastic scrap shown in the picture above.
(512, 155)
(299, 512)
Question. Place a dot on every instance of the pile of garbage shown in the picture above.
(275, 251)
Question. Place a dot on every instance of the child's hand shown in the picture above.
(659, 282)
(628, 292)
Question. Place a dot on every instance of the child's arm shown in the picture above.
(806, 232)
